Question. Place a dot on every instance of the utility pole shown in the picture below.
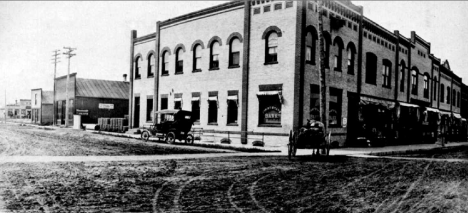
(67, 102)
(55, 59)
(323, 80)
(5, 111)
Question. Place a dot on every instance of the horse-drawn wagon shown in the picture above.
(309, 137)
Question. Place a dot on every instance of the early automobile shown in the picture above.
(170, 125)
(309, 137)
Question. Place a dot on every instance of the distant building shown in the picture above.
(90, 98)
(19, 110)
(42, 106)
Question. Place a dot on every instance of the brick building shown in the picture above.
(42, 106)
(252, 66)
(90, 98)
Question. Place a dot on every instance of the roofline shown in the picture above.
(202, 12)
(415, 37)
(380, 27)
(60, 77)
(102, 80)
(80, 96)
(145, 37)
(36, 89)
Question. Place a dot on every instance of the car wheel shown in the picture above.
(145, 136)
(189, 139)
(170, 138)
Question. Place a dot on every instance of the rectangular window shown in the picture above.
(177, 104)
(278, 6)
(371, 68)
(196, 107)
(256, 11)
(164, 105)
(334, 113)
(289, 4)
(266, 9)
(314, 105)
(386, 75)
(309, 53)
(213, 108)
(270, 101)
(336, 64)
(149, 109)
(233, 105)
(235, 58)
(310, 6)
(214, 61)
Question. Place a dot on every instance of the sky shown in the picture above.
(30, 31)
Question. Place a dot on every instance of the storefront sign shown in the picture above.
(272, 115)
(106, 106)
(82, 112)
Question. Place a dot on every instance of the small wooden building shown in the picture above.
(91, 98)
(42, 106)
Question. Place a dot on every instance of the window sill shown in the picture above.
(269, 125)
(196, 70)
(165, 74)
(214, 68)
(386, 87)
(337, 70)
(270, 62)
(150, 76)
(233, 66)
(137, 78)
(232, 124)
(350, 73)
(374, 84)
(179, 73)
(213, 124)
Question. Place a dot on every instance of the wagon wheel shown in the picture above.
(189, 139)
(170, 138)
(145, 135)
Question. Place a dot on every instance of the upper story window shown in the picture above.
(442, 93)
(137, 67)
(339, 53)
(165, 63)
(271, 48)
(310, 48)
(351, 57)
(197, 58)
(402, 76)
(426, 85)
(454, 97)
(448, 95)
(150, 65)
(179, 61)
(234, 53)
(434, 94)
(371, 68)
(386, 73)
(214, 55)
(414, 82)
(35, 99)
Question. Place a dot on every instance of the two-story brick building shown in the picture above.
(252, 67)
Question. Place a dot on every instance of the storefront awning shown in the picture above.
(432, 109)
(456, 115)
(177, 99)
(232, 97)
(195, 98)
(373, 101)
(444, 113)
(463, 119)
(213, 98)
(408, 105)
(265, 93)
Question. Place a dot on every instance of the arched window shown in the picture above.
(339, 53)
(179, 61)
(351, 57)
(426, 85)
(414, 82)
(442, 93)
(214, 55)
(402, 76)
(234, 53)
(197, 57)
(165, 63)
(386, 73)
(137, 67)
(271, 48)
(310, 48)
(435, 88)
(151, 65)
(448, 95)
(371, 68)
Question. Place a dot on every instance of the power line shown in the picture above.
(55, 59)
(69, 54)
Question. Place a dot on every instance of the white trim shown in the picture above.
(213, 98)
(264, 93)
(456, 115)
(408, 105)
(178, 99)
(432, 109)
(195, 98)
(232, 97)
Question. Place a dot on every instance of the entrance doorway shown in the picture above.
(136, 121)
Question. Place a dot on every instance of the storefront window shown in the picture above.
(334, 113)
(270, 110)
